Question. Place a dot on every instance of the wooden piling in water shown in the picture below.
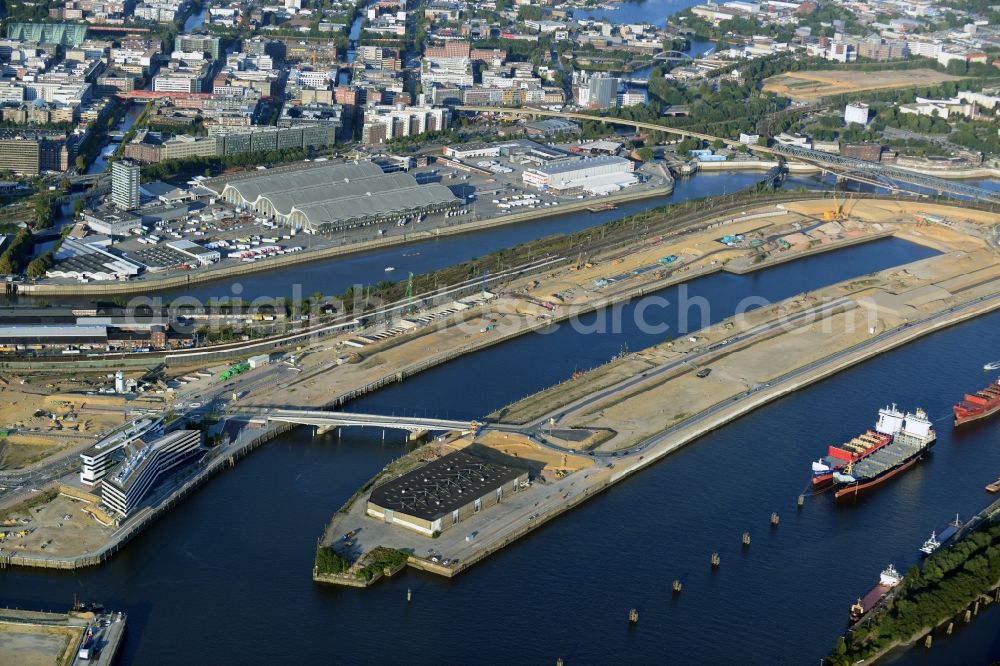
(801, 501)
(716, 560)
(968, 616)
(975, 609)
(677, 586)
(775, 519)
(951, 628)
(633, 616)
(409, 595)
(928, 641)
(746, 539)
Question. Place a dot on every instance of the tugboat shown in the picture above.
(887, 580)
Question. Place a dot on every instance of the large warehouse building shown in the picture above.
(598, 175)
(443, 493)
(336, 196)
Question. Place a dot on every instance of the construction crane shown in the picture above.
(842, 211)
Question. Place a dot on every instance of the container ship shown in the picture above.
(888, 579)
(936, 539)
(978, 405)
(839, 457)
(911, 434)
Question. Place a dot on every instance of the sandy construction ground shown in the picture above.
(49, 415)
(23, 644)
(966, 269)
(526, 453)
(814, 85)
(60, 527)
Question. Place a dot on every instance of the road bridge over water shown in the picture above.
(350, 419)
(872, 173)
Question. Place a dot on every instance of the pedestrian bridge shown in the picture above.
(345, 419)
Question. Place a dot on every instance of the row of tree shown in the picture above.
(17, 253)
(949, 580)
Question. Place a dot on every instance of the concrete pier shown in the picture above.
(35, 637)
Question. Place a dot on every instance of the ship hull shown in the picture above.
(855, 489)
(969, 418)
(825, 479)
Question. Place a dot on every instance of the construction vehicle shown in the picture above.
(842, 211)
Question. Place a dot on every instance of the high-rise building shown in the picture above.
(125, 184)
(856, 113)
(198, 43)
(604, 91)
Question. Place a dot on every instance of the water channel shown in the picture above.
(239, 550)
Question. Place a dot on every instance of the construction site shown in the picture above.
(598, 427)
(85, 634)
(589, 431)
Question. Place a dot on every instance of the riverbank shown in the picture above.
(151, 283)
(323, 381)
(777, 351)
(801, 168)
(795, 168)
(35, 637)
(948, 588)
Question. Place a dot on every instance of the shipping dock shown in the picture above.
(87, 634)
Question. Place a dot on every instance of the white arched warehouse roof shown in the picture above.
(337, 194)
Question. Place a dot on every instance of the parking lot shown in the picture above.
(487, 187)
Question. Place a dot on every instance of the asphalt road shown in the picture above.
(535, 429)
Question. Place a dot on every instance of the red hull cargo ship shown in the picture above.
(887, 580)
(912, 435)
(979, 405)
(839, 457)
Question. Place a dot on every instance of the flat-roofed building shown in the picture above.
(31, 152)
(586, 174)
(85, 261)
(443, 493)
(112, 223)
(130, 481)
(199, 253)
(40, 337)
(107, 453)
(125, 184)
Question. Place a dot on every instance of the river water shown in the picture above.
(100, 163)
(196, 20)
(654, 12)
(224, 577)
(368, 268)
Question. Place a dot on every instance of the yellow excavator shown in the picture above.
(842, 211)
